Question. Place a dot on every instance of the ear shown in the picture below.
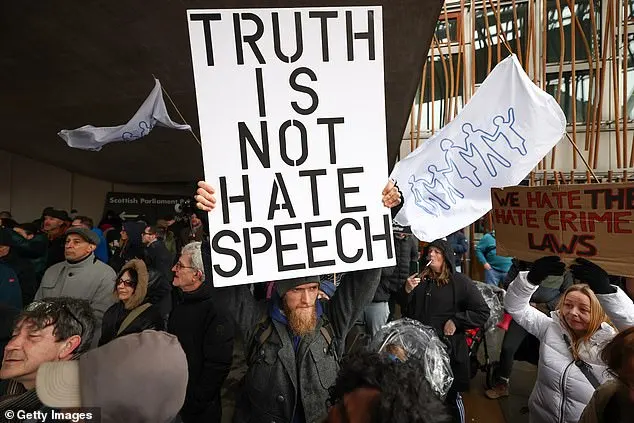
(67, 350)
(93, 247)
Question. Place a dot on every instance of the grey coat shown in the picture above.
(89, 279)
(277, 376)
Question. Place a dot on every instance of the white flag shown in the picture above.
(507, 127)
(152, 112)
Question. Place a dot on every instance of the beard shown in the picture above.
(301, 320)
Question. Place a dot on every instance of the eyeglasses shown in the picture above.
(54, 309)
(127, 282)
(179, 266)
(147, 233)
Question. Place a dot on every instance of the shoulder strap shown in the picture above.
(133, 315)
(585, 368)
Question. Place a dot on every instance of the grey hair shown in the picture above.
(193, 250)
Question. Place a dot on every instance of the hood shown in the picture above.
(447, 252)
(134, 230)
(141, 288)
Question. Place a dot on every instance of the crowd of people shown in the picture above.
(122, 319)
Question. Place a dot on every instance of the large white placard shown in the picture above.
(292, 117)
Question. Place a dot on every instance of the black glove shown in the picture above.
(588, 272)
(545, 266)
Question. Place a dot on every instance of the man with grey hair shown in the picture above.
(206, 334)
(52, 329)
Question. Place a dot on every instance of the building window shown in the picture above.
(486, 37)
(455, 28)
(553, 40)
(563, 92)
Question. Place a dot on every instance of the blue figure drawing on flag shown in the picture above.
(465, 162)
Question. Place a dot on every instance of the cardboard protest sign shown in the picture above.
(593, 221)
(292, 117)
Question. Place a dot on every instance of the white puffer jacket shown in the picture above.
(562, 391)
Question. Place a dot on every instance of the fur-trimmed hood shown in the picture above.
(140, 292)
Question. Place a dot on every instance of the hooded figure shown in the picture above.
(130, 245)
(450, 303)
(132, 313)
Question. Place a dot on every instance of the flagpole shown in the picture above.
(581, 155)
(179, 113)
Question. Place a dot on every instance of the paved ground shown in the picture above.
(479, 409)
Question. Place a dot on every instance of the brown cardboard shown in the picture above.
(594, 221)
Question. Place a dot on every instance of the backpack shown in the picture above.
(265, 329)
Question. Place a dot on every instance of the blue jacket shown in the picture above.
(10, 292)
(486, 253)
(101, 252)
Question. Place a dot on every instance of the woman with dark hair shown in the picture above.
(133, 312)
(450, 303)
(613, 402)
(130, 245)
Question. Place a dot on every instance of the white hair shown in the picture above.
(193, 251)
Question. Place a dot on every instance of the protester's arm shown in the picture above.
(619, 308)
(476, 311)
(517, 305)
(237, 300)
(217, 357)
(352, 295)
(28, 248)
(484, 243)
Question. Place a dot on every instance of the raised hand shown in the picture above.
(391, 196)
(592, 274)
(545, 266)
(205, 196)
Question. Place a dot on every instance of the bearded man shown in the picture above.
(293, 343)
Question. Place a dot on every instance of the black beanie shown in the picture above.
(284, 285)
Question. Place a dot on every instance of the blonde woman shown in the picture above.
(571, 338)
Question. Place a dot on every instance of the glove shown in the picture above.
(545, 266)
(597, 278)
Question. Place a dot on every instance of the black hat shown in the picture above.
(58, 214)
(85, 233)
(285, 285)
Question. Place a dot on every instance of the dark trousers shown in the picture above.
(519, 345)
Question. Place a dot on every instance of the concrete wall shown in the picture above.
(27, 186)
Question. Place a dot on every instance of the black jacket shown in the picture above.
(393, 278)
(206, 334)
(159, 292)
(459, 245)
(26, 275)
(55, 252)
(158, 257)
(116, 314)
(459, 300)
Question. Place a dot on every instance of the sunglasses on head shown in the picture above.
(55, 309)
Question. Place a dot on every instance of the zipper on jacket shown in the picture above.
(562, 387)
